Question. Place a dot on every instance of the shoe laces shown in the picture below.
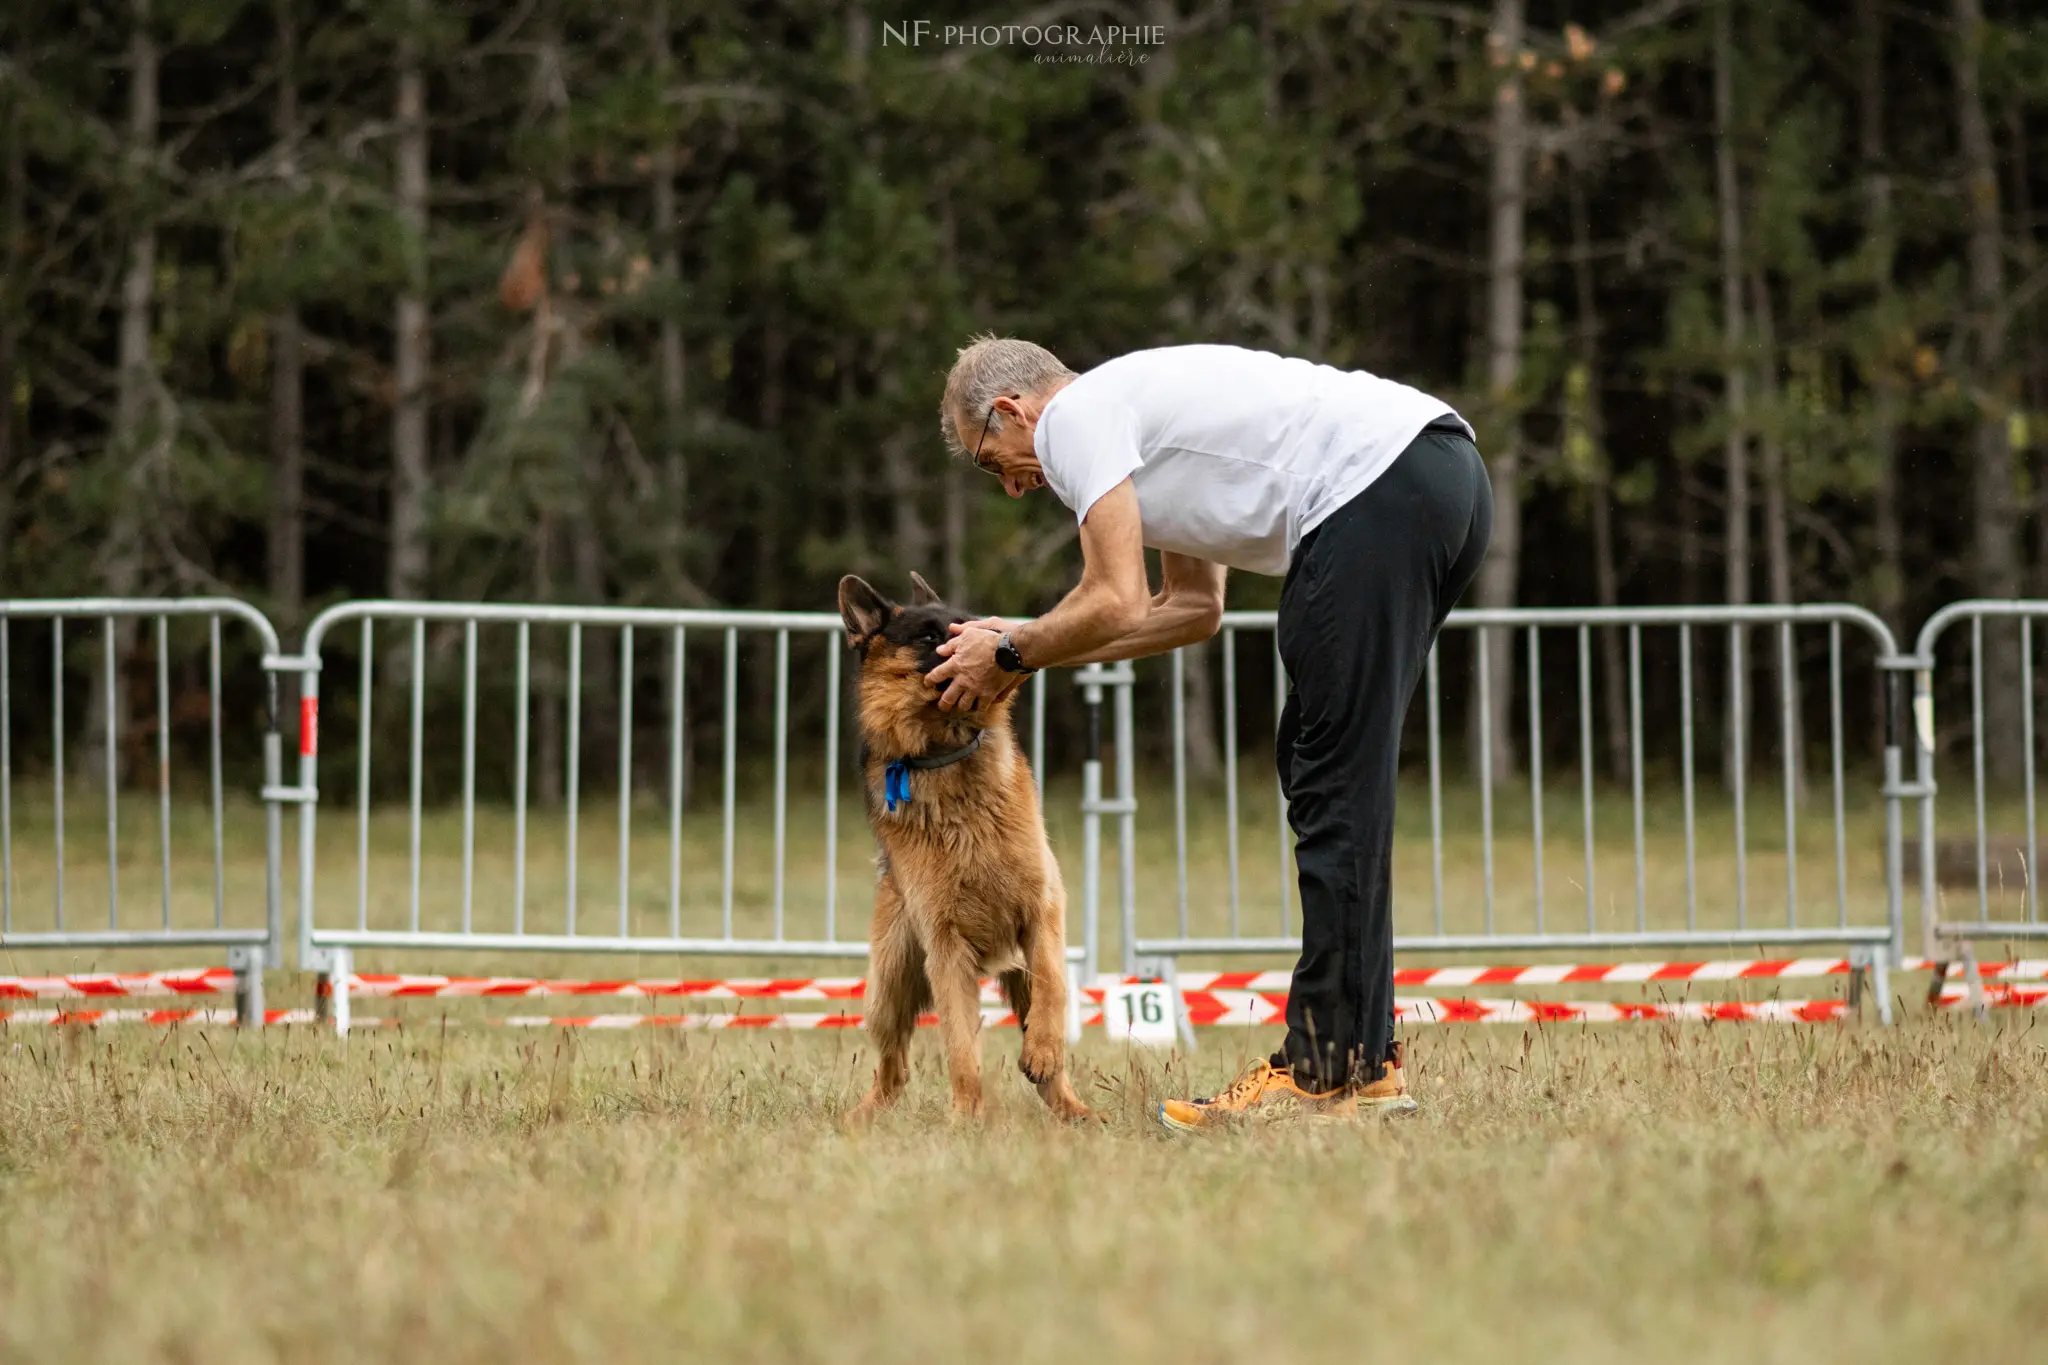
(1248, 1084)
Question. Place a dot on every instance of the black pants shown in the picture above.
(1363, 601)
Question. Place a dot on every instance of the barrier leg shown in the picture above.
(1975, 979)
(332, 1006)
(248, 965)
(1869, 969)
(1938, 977)
(1074, 1003)
(1091, 836)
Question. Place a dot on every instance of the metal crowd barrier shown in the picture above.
(1826, 674)
(2006, 898)
(202, 908)
(796, 921)
(1859, 918)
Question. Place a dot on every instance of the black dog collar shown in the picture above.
(896, 777)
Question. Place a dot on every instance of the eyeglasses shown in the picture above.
(986, 468)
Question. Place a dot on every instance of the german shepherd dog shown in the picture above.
(967, 883)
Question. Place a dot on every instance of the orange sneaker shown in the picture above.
(1269, 1090)
(1272, 1092)
(1387, 1095)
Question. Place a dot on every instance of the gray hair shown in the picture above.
(992, 367)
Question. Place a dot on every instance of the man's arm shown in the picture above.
(1187, 610)
(1112, 600)
(1112, 614)
(1108, 617)
(1096, 622)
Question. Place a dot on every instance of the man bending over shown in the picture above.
(1371, 500)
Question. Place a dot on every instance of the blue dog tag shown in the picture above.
(896, 785)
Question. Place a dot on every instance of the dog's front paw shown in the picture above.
(1041, 1060)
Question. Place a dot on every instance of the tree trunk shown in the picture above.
(134, 380)
(675, 472)
(600, 693)
(1735, 445)
(1506, 200)
(287, 538)
(1890, 596)
(138, 431)
(1777, 520)
(1691, 553)
(953, 531)
(1607, 586)
(1600, 490)
(588, 525)
(406, 576)
(911, 539)
(767, 527)
(545, 715)
(1996, 559)
(12, 288)
(675, 467)
(2027, 250)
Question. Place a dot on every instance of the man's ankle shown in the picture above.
(1306, 1074)
(1364, 1073)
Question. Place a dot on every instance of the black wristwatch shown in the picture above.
(1006, 656)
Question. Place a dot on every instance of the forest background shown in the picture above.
(561, 301)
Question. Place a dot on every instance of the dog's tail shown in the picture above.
(1017, 990)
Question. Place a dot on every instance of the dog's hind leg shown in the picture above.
(1040, 999)
(956, 989)
(897, 993)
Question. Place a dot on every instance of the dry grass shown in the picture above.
(1703, 1193)
(1752, 1193)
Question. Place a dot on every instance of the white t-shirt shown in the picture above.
(1235, 454)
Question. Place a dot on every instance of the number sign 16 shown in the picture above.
(1139, 1012)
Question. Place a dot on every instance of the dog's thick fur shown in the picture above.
(968, 883)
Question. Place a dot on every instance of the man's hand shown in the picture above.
(969, 676)
(994, 623)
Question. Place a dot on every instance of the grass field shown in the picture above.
(1698, 1193)
(454, 1193)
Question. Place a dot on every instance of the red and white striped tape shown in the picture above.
(196, 981)
(159, 1018)
(221, 981)
(1604, 973)
(1213, 998)
(394, 986)
(389, 986)
(1209, 1007)
(2026, 969)
(1232, 1007)
(992, 1018)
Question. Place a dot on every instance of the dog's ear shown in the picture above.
(864, 610)
(921, 594)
